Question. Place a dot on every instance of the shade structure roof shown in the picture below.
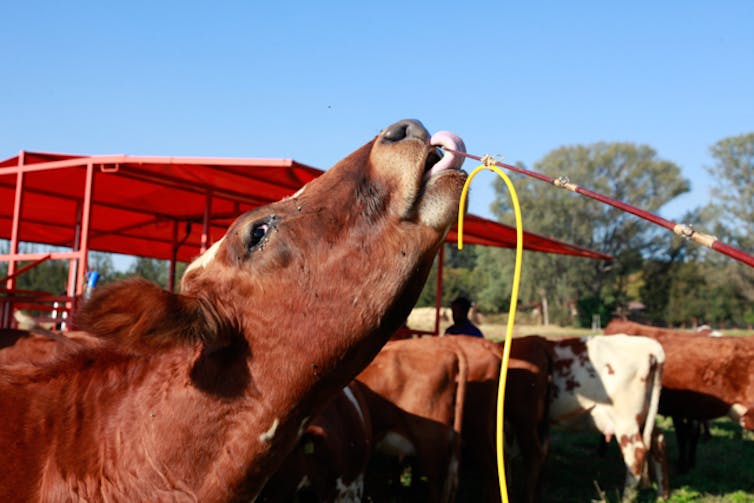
(144, 205)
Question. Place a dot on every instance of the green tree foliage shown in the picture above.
(733, 203)
(464, 259)
(50, 276)
(733, 189)
(460, 276)
(151, 269)
(4, 248)
(661, 268)
(493, 277)
(625, 171)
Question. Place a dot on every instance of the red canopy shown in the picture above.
(145, 206)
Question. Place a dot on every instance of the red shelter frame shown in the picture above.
(170, 208)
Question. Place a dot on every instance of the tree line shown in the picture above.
(655, 275)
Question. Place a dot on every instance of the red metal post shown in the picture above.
(16, 226)
(10, 284)
(205, 223)
(86, 215)
(73, 262)
(173, 257)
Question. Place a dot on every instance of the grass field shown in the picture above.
(574, 471)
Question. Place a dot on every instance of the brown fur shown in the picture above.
(526, 401)
(416, 389)
(200, 396)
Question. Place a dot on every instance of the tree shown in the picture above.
(733, 189)
(733, 202)
(665, 266)
(152, 269)
(458, 276)
(626, 171)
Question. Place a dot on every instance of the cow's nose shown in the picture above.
(404, 129)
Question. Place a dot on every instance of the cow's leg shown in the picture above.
(695, 431)
(634, 454)
(440, 469)
(534, 452)
(658, 462)
(681, 426)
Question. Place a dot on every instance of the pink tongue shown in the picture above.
(450, 160)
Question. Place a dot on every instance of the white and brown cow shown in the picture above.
(611, 385)
(201, 395)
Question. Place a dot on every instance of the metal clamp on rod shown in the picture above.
(688, 232)
(564, 183)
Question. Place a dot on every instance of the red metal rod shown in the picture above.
(25, 268)
(680, 229)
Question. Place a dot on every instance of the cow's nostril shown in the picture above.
(395, 133)
(405, 129)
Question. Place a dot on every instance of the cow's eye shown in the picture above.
(258, 233)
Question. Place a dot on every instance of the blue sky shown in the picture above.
(314, 80)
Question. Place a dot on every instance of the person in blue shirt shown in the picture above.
(461, 323)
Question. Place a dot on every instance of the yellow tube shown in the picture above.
(511, 311)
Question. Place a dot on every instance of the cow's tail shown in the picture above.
(450, 487)
(463, 378)
(657, 365)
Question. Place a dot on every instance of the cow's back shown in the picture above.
(704, 377)
(526, 403)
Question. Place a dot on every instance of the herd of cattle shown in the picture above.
(271, 376)
(427, 407)
(429, 404)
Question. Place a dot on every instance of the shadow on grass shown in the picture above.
(724, 472)
(576, 473)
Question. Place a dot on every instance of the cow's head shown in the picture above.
(327, 274)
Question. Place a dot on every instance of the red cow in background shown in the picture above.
(705, 378)
(415, 393)
(527, 398)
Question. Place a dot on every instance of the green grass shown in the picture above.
(574, 471)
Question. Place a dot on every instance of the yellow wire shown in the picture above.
(511, 312)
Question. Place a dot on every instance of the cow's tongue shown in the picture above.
(450, 160)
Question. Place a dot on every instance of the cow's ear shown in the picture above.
(138, 316)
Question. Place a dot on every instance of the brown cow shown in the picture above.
(201, 395)
(526, 417)
(705, 378)
(330, 460)
(415, 390)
